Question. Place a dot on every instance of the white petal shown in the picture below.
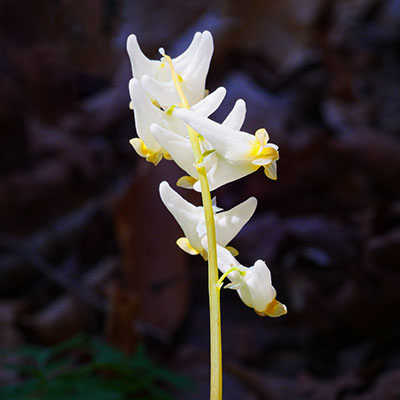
(185, 245)
(210, 103)
(257, 290)
(141, 65)
(228, 171)
(180, 62)
(229, 223)
(271, 171)
(231, 144)
(186, 214)
(145, 114)
(197, 187)
(164, 92)
(236, 117)
(204, 107)
(201, 228)
(196, 72)
(225, 171)
(178, 147)
(226, 261)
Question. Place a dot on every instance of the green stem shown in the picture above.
(213, 290)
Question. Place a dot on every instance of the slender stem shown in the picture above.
(221, 279)
(213, 291)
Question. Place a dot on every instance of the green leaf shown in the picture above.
(54, 373)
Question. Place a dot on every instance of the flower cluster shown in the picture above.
(227, 154)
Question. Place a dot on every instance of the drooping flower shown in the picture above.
(191, 66)
(147, 112)
(253, 151)
(253, 284)
(191, 219)
(219, 169)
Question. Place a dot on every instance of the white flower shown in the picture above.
(219, 169)
(251, 151)
(191, 220)
(253, 284)
(191, 66)
(148, 112)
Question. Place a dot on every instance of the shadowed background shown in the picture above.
(86, 244)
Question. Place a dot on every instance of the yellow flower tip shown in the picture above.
(130, 105)
(155, 158)
(139, 147)
(262, 136)
(274, 309)
(180, 78)
(184, 244)
(262, 153)
(170, 110)
(186, 182)
(270, 171)
(167, 156)
(232, 250)
(143, 151)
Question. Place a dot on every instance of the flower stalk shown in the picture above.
(213, 276)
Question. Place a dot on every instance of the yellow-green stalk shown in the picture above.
(213, 289)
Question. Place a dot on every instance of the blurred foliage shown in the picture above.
(86, 368)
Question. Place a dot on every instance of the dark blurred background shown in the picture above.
(86, 245)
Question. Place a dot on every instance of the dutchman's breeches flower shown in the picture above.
(191, 66)
(191, 219)
(253, 284)
(234, 145)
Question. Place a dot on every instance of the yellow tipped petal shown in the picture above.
(186, 182)
(155, 158)
(185, 245)
(271, 171)
(262, 136)
(232, 250)
(274, 309)
(143, 151)
(167, 156)
(139, 147)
